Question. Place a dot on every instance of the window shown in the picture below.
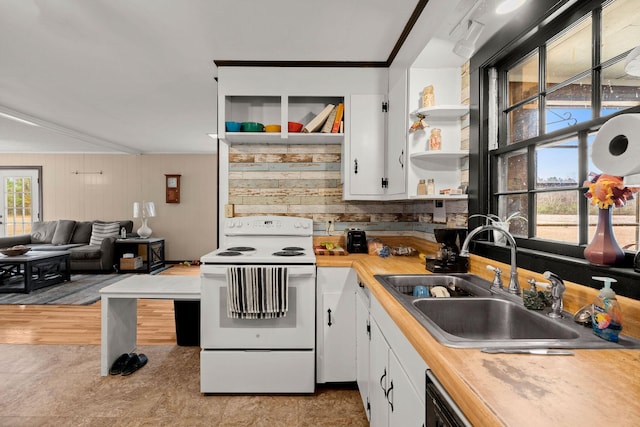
(553, 95)
(20, 202)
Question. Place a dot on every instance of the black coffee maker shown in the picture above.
(447, 259)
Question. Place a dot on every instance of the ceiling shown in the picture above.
(124, 76)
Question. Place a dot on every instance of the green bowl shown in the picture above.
(252, 127)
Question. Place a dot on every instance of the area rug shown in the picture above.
(83, 289)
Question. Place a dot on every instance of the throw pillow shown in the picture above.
(42, 232)
(102, 230)
(82, 232)
(63, 232)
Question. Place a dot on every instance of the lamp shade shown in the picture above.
(149, 209)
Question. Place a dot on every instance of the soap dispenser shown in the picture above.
(606, 317)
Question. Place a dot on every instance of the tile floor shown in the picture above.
(60, 385)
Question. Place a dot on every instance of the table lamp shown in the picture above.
(148, 211)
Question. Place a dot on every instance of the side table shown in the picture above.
(151, 250)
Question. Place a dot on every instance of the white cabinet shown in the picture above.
(336, 325)
(390, 372)
(363, 336)
(394, 401)
(279, 110)
(364, 157)
(375, 158)
(397, 129)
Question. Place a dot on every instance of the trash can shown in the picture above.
(187, 315)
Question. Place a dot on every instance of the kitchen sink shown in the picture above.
(477, 317)
(458, 285)
(489, 319)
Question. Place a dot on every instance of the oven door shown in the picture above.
(294, 331)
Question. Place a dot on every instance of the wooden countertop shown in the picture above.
(593, 387)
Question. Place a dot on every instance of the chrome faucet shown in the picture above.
(497, 277)
(557, 291)
(514, 286)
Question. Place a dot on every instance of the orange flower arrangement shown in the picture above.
(608, 190)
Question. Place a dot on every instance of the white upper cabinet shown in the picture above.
(397, 135)
(364, 157)
(278, 95)
(375, 158)
(278, 110)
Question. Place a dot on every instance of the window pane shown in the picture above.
(569, 54)
(590, 166)
(568, 105)
(514, 206)
(523, 79)
(557, 165)
(619, 90)
(512, 172)
(625, 224)
(557, 216)
(523, 122)
(620, 29)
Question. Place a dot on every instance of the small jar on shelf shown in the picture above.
(435, 140)
(431, 187)
(428, 97)
(422, 188)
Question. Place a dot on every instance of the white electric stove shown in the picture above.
(275, 355)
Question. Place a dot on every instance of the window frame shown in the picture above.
(507, 49)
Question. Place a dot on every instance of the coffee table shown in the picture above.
(33, 270)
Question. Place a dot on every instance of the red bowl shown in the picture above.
(295, 127)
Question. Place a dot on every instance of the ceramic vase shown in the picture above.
(604, 249)
(144, 231)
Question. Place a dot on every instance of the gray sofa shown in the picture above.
(91, 246)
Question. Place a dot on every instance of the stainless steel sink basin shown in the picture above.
(490, 319)
(458, 285)
(478, 317)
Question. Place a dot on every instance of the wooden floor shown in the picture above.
(77, 324)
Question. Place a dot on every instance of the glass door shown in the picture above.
(20, 202)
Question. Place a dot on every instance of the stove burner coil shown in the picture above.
(293, 248)
(241, 249)
(288, 253)
(229, 253)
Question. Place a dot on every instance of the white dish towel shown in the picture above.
(257, 292)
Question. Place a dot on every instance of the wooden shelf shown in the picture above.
(442, 112)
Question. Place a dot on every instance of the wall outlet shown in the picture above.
(439, 212)
(228, 211)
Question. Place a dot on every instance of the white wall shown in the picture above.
(190, 227)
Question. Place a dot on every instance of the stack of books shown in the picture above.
(329, 120)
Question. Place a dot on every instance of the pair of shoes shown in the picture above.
(120, 363)
(136, 362)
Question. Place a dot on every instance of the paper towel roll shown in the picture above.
(616, 149)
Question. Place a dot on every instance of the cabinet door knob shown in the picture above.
(355, 166)
(329, 313)
(400, 159)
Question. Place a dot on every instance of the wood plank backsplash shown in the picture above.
(305, 180)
